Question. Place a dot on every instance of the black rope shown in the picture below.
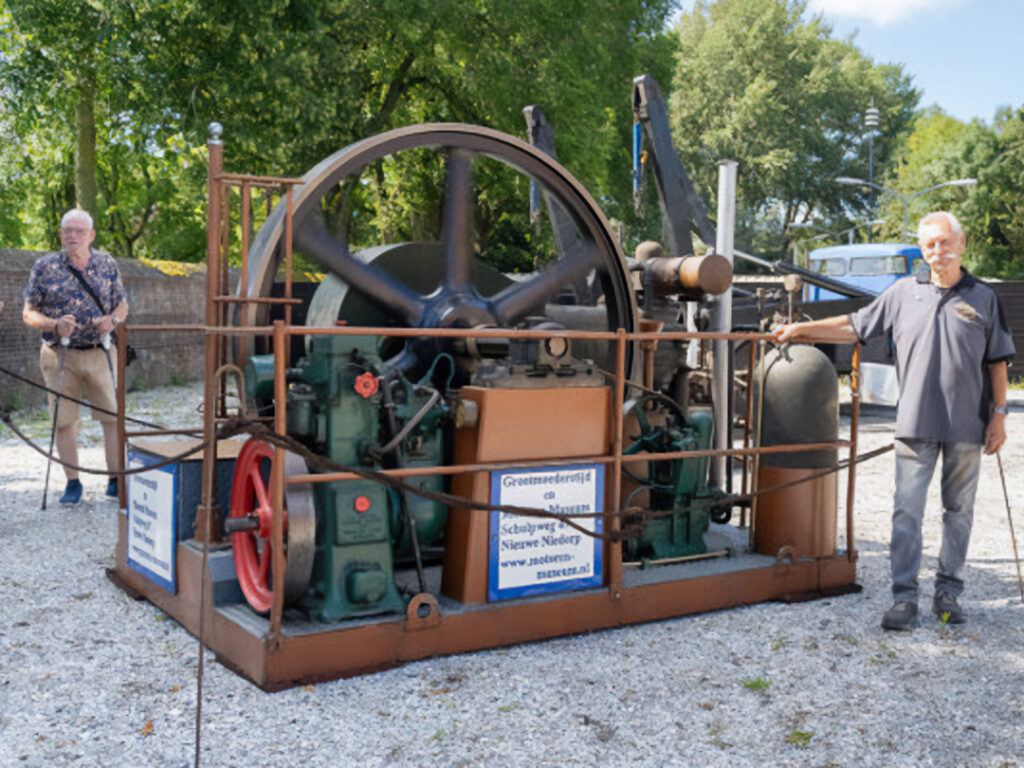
(635, 518)
(62, 396)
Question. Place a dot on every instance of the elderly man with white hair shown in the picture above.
(952, 349)
(76, 294)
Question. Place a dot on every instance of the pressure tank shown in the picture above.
(800, 405)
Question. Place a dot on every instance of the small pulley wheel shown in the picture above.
(253, 549)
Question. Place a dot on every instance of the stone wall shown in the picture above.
(153, 298)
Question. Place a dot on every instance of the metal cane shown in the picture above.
(105, 343)
(64, 342)
(1009, 517)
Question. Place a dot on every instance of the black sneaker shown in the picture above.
(112, 487)
(902, 617)
(945, 603)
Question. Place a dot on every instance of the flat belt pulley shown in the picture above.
(453, 299)
(250, 524)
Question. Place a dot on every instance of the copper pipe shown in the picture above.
(649, 348)
(288, 266)
(256, 300)
(211, 341)
(122, 439)
(755, 482)
(501, 333)
(256, 180)
(277, 489)
(160, 432)
(751, 359)
(458, 469)
(851, 550)
(615, 484)
(243, 282)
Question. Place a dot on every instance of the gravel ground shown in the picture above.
(90, 677)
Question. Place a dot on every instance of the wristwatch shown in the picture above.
(1002, 410)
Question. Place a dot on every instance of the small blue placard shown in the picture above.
(152, 520)
(534, 555)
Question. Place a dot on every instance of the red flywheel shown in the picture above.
(253, 550)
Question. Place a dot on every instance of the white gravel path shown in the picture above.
(89, 677)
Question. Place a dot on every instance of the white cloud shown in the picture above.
(879, 12)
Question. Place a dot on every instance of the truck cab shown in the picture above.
(872, 267)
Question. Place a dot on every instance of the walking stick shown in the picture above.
(105, 343)
(64, 341)
(1009, 518)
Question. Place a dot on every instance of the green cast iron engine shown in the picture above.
(339, 405)
(679, 500)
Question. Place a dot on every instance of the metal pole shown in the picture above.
(64, 342)
(615, 482)
(722, 320)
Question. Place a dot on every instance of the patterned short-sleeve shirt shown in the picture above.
(53, 290)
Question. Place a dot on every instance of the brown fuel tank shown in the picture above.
(801, 405)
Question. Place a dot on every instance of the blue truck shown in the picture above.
(871, 267)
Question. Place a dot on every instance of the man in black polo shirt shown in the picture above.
(952, 348)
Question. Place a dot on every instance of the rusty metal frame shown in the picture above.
(277, 659)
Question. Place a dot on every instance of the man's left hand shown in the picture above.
(104, 324)
(995, 434)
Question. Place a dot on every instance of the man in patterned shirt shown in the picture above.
(952, 348)
(58, 303)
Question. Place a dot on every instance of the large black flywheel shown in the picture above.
(457, 299)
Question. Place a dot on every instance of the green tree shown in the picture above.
(294, 80)
(941, 148)
(757, 83)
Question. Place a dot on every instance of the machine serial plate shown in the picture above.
(534, 555)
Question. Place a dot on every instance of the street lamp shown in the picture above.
(905, 199)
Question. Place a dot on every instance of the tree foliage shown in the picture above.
(757, 83)
(942, 148)
(292, 81)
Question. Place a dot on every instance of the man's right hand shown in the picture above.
(786, 333)
(65, 325)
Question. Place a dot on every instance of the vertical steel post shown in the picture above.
(122, 351)
(747, 426)
(204, 525)
(206, 515)
(277, 488)
(851, 472)
(722, 321)
(615, 482)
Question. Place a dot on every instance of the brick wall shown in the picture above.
(153, 298)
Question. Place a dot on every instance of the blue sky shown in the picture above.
(963, 55)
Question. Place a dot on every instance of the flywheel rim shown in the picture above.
(267, 250)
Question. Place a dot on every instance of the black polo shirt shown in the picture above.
(945, 340)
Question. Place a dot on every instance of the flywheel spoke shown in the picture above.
(518, 300)
(398, 299)
(456, 236)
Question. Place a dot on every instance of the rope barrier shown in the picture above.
(636, 518)
(63, 396)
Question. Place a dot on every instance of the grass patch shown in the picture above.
(800, 739)
(756, 684)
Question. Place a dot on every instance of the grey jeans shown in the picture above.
(915, 464)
